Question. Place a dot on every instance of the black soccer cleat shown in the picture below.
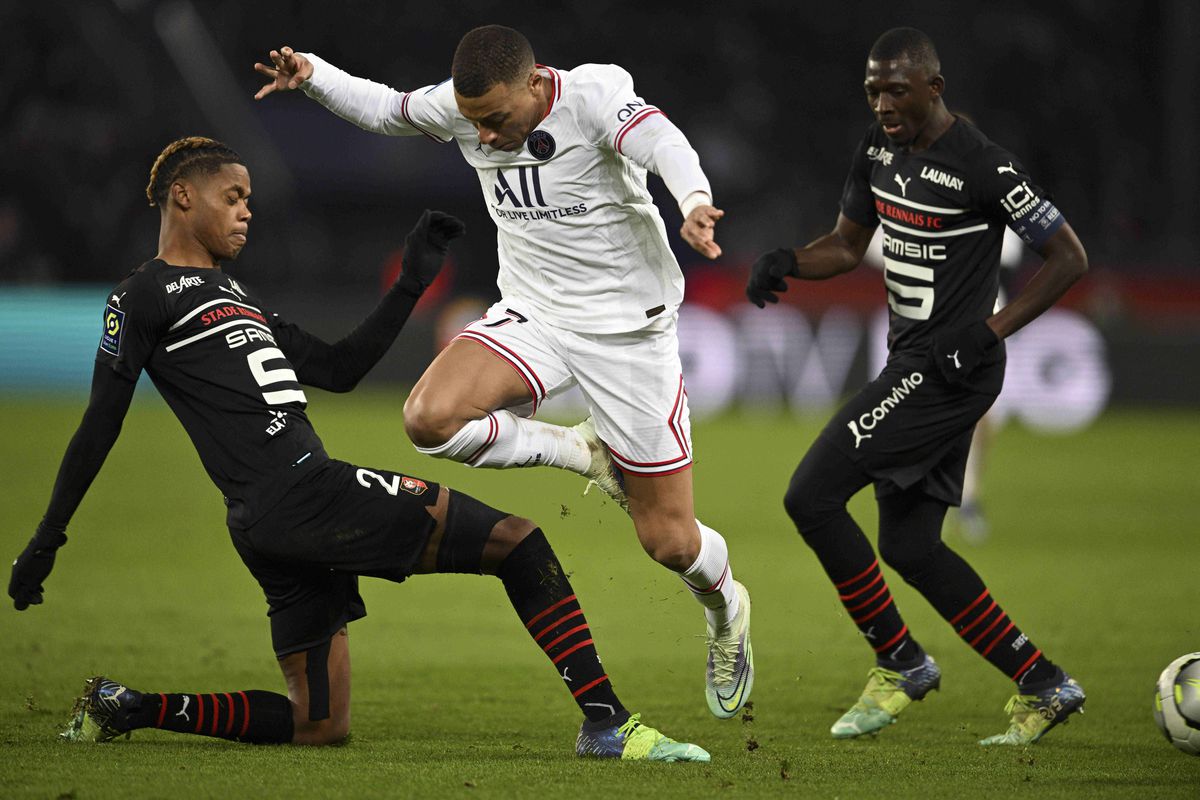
(101, 713)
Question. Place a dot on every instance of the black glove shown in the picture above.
(426, 245)
(958, 352)
(33, 565)
(767, 274)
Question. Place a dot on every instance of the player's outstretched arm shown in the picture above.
(288, 70)
(339, 367)
(838, 251)
(1065, 262)
(101, 424)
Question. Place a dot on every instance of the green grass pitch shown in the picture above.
(1094, 552)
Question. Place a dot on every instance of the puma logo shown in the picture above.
(1009, 168)
(957, 363)
(564, 675)
(182, 712)
(903, 184)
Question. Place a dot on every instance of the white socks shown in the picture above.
(502, 439)
(711, 579)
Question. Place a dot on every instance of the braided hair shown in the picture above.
(184, 157)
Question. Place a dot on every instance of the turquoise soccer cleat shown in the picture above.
(887, 694)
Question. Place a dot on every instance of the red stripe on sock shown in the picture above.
(714, 587)
(549, 610)
(858, 577)
(854, 594)
(882, 591)
(245, 714)
(216, 714)
(874, 613)
(162, 710)
(893, 640)
(229, 705)
(989, 629)
(570, 650)
(996, 641)
(963, 633)
(548, 647)
(200, 713)
(967, 610)
(558, 622)
(591, 685)
(1019, 673)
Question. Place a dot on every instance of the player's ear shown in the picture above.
(179, 195)
(937, 85)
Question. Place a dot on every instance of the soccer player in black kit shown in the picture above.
(943, 193)
(306, 525)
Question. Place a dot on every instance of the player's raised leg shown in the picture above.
(910, 542)
(459, 409)
(816, 501)
(663, 514)
(474, 538)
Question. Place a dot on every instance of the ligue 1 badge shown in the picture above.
(541, 145)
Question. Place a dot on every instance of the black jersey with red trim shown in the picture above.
(943, 211)
(227, 368)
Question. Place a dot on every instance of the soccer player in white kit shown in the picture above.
(590, 293)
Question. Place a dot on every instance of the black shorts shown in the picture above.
(339, 522)
(908, 427)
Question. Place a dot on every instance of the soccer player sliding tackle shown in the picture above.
(944, 194)
(305, 525)
(590, 292)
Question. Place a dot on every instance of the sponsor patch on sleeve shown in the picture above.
(114, 328)
(1037, 227)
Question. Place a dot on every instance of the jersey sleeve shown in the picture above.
(612, 107)
(379, 108)
(858, 204)
(1010, 196)
(135, 320)
(623, 122)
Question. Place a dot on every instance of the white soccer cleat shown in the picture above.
(601, 472)
(730, 675)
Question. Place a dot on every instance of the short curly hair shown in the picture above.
(184, 157)
(487, 56)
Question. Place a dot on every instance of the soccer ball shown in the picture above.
(1177, 703)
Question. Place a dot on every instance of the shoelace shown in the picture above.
(630, 725)
(725, 654)
(884, 675)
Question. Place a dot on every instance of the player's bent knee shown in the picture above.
(510, 532)
(430, 423)
(323, 733)
(909, 559)
(676, 549)
(805, 509)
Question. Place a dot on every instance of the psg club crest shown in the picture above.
(541, 145)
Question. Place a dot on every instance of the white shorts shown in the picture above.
(632, 382)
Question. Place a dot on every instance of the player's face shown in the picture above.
(220, 212)
(507, 113)
(902, 95)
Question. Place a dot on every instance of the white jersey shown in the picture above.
(579, 238)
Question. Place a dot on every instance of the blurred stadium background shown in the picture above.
(1092, 95)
